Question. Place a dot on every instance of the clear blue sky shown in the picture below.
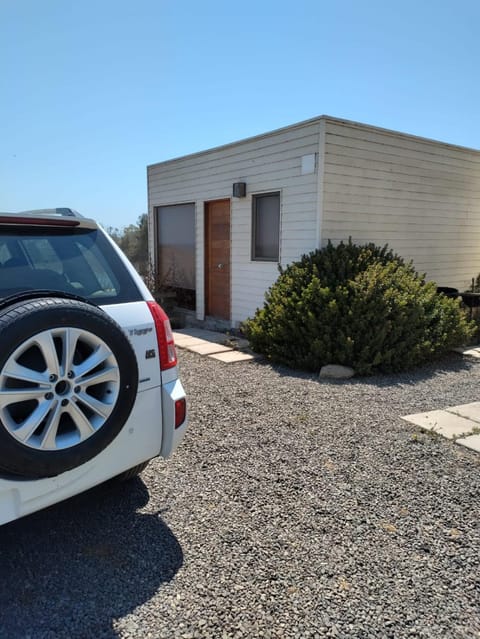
(93, 91)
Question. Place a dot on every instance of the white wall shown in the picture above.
(419, 196)
(266, 163)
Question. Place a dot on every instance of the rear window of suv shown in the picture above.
(76, 261)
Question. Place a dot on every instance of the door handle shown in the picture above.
(220, 266)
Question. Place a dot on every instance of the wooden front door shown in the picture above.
(217, 259)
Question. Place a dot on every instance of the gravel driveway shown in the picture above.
(294, 508)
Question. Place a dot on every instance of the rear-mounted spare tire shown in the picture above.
(68, 381)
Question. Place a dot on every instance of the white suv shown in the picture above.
(89, 385)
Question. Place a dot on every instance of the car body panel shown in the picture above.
(137, 323)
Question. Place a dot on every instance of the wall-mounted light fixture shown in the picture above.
(239, 189)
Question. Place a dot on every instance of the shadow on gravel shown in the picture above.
(70, 570)
(448, 364)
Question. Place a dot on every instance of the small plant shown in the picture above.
(359, 306)
(170, 287)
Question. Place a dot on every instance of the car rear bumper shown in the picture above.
(143, 437)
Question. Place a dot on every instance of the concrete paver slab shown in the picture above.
(208, 348)
(471, 351)
(472, 441)
(232, 356)
(200, 333)
(442, 422)
(184, 342)
(469, 411)
(213, 344)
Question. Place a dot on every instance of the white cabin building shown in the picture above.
(223, 219)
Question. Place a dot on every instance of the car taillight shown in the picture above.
(166, 345)
(180, 411)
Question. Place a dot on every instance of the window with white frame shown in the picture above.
(266, 227)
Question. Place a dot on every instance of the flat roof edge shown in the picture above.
(304, 123)
(411, 136)
(228, 145)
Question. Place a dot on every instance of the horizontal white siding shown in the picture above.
(267, 163)
(419, 196)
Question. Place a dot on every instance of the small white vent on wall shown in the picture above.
(308, 164)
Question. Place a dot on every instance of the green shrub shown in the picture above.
(360, 306)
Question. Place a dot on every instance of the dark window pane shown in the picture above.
(176, 251)
(266, 226)
(80, 262)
